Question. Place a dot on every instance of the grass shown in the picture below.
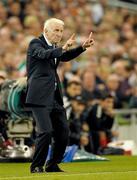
(118, 168)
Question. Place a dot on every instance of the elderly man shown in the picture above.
(44, 94)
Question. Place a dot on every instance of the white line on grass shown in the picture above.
(59, 175)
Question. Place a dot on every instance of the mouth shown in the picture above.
(58, 39)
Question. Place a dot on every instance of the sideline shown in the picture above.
(63, 175)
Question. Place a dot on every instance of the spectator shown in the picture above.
(112, 86)
(79, 131)
(133, 99)
(74, 88)
(100, 118)
(89, 92)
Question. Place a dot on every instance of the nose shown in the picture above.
(60, 33)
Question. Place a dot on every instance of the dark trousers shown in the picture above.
(51, 122)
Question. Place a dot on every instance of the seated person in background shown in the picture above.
(133, 99)
(90, 88)
(124, 71)
(89, 85)
(73, 89)
(112, 85)
(100, 118)
(79, 132)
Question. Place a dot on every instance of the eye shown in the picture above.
(56, 30)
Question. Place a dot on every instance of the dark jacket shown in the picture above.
(97, 119)
(41, 71)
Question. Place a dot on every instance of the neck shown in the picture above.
(47, 40)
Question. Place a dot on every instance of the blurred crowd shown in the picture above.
(103, 78)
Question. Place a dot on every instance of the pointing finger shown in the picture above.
(90, 35)
(73, 36)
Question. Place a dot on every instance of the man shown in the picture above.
(44, 93)
(112, 87)
(73, 89)
(100, 118)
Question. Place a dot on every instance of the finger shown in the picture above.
(91, 41)
(87, 41)
(90, 35)
(72, 37)
(70, 42)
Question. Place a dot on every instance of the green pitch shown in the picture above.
(118, 168)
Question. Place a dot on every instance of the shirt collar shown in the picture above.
(49, 43)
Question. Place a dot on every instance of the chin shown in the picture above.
(56, 42)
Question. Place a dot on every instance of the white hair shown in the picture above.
(50, 21)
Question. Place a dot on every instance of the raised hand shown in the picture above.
(89, 42)
(70, 42)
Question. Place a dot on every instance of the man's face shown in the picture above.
(89, 81)
(107, 103)
(55, 33)
(113, 84)
(78, 107)
(74, 90)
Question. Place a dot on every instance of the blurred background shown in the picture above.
(100, 86)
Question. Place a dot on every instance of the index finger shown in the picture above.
(90, 35)
(73, 36)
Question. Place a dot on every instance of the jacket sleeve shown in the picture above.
(71, 54)
(38, 51)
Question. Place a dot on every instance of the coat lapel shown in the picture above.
(41, 37)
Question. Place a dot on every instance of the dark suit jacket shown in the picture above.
(102, 123)
(41, 71)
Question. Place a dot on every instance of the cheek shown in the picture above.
(53, 36)
(56, 36)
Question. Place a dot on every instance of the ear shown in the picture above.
(45, 30)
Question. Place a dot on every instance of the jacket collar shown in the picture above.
(48, 42)
(45, 43)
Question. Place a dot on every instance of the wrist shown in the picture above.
(64, 47)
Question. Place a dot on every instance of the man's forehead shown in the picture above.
(57, 25)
